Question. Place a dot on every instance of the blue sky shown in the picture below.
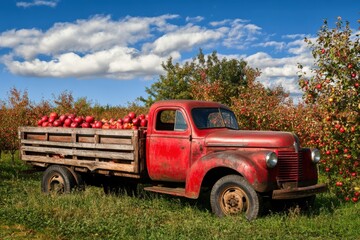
(109, 51)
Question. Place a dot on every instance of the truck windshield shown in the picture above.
(214, 118)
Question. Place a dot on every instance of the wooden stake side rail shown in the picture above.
(104, 151)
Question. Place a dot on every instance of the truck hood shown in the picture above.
(239, 138)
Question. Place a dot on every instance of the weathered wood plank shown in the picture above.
(82, 153)
(83, 131)
(91, 165)
(80, 145)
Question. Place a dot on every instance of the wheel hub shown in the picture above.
(234, 201)
(57, 184)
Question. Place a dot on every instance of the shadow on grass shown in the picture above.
(324, 203)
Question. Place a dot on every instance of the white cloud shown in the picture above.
(118, 62)
(182, 39)
(194, 19)
(135, 47)
(241, 34)
(283, 70)
(50, 3)
(275, 44)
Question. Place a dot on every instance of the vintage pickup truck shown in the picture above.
(187, 147)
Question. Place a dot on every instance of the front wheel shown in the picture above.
(232, 195)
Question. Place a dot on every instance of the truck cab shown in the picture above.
(198, 144)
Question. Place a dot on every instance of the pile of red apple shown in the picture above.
(130, 121)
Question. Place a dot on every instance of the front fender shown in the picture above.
(251, 165)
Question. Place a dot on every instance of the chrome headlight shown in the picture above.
(315, 155)
(271, 160)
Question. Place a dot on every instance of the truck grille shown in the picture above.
(290, 166)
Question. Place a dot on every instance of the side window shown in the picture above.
(180, 123)
(170, 120)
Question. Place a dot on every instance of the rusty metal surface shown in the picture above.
(299, 192)
(239, 138)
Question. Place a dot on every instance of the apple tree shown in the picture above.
(333, 90)
(14, 113)
(218, 78)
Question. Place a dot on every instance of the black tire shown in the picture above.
(79, 181)
(232, 195)
(57, 180)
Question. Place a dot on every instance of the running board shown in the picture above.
(167, 190)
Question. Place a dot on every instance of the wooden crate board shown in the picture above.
(91, 165)
(95, 149)
(78, 145)
(76, 152)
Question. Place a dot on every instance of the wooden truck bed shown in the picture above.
(103, 151)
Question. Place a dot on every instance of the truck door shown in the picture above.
(169, 146)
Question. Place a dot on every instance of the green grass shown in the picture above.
(26, 213)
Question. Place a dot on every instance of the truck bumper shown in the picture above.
(299, 192)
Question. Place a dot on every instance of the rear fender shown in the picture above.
(250, 165)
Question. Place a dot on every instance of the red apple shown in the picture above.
(141, 116)
(67, 122)
(143, 122)
(74, 125)
(339, 184)
(98, 124)
(85, 125)
(72, 116)
(89, 119)
(120, 121)
(127, 119)
(57, 123)
(39, 123)
(132, 115)
(45, 118)
(54, 115)
(45, 124)
(51, 119)
(79, 120)
(62, 118)
(136, 122)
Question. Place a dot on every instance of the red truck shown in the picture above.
(187, 147)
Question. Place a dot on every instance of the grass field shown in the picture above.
(25, 213)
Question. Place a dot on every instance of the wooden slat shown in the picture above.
(82, 153)
(83, 131)
(91, 165)
(80, 145)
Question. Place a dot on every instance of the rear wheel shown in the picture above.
(57, 180)
(233, 195)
